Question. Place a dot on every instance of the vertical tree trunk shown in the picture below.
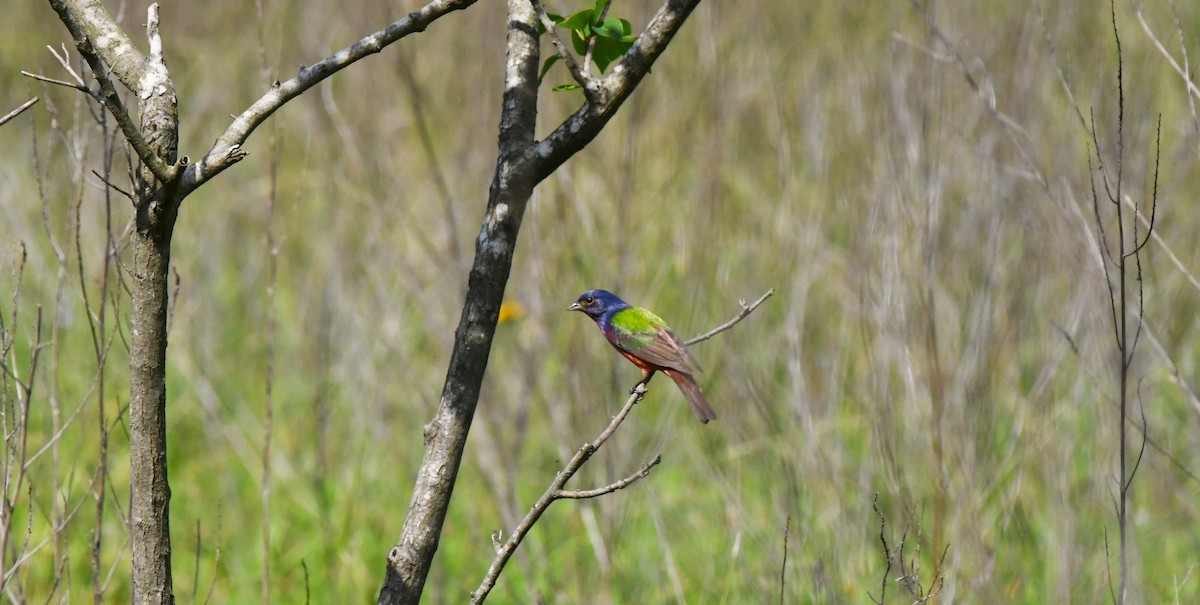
(156, 141)
(150, 528)
(446, 435)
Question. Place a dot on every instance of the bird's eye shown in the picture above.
(589, 301)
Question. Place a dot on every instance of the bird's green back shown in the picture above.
(639, 324)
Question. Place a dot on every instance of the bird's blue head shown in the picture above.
(598, 304)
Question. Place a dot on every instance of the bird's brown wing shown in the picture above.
(663, 350)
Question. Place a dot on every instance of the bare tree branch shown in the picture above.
(19, 110)
(554, 492)
(910, 567)
(227, 150)
(746, 310)
(107, 49)
(611, 487)
(80, 87)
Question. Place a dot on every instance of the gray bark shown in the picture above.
(105, 46)
(446, 434)
(150, 528)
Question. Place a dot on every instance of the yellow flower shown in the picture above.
(511, 310)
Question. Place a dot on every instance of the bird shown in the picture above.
(646, 340)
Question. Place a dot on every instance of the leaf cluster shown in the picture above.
(607, 37)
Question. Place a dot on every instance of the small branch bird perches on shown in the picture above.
(556, 492)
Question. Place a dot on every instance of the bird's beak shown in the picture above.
(574, 307)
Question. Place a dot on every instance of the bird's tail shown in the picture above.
(695, 397)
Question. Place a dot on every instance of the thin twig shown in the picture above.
(939, 578)
(64, 59)
(746, 310)
(1100, 236)
(73, 86)
(112, 186)
(99, 19)
(1153, 194)
(611, 487)
(228, 150)
(591, 47)
(307, 591)
(787, 527)
(552, 493)
(887, 552)
(19, 110)
(1145, 437)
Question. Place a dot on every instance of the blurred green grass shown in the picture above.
(832, 151)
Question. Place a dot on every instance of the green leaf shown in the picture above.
(578, 21)
(610, 37)
(565, 87)
(547, 64)
(614, 29)
(608, 50)
(580, 41)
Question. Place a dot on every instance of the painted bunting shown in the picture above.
(646, 340)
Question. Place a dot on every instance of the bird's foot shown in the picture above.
(638, 389)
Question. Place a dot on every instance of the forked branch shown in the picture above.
(107, 49)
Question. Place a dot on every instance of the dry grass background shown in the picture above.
(939, 333)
